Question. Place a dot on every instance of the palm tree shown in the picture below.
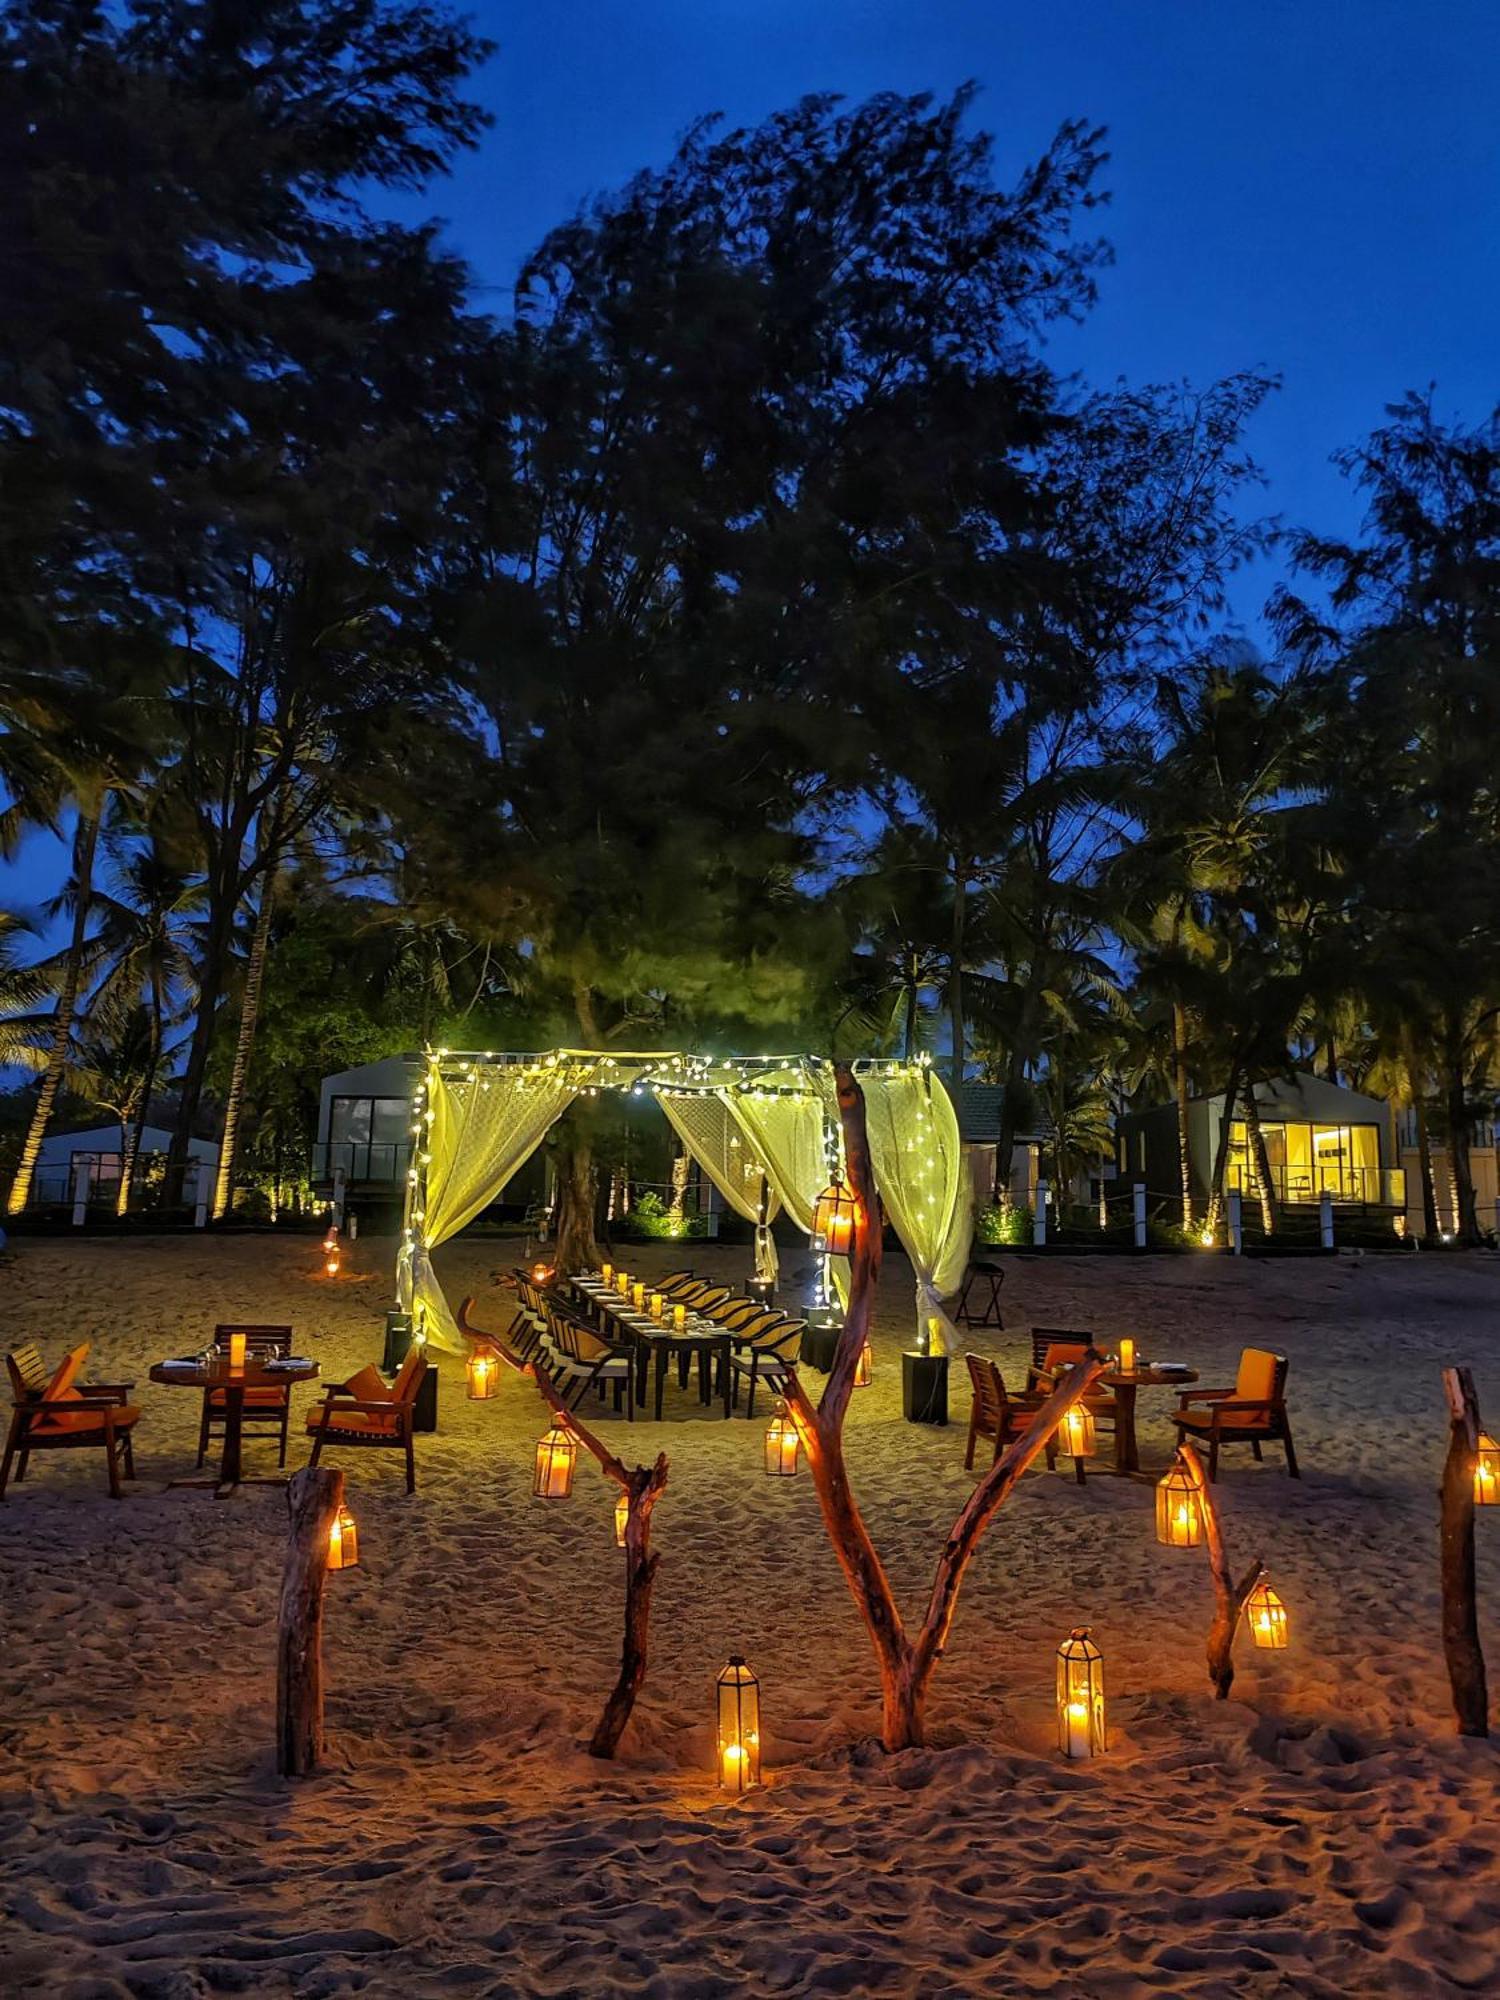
(24, 1033)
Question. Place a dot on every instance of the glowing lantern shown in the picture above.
(1486, 1471)
(542, 1274)
(1179, 1517)
(679, 1317)
(343, 1541)
(864, 1368)
(236, 1353)
(331, 1263)
(1266, 1616)
(608, 1274)
(638, 1296)
(484, 1376)
(738, 1707)
(833, 1219)
(555, 1455)
(1080, 1696)
(1127, 1356)
(622, 1515)
(782, 1445)
(1078, 1436)
(622, 1283)
(657, 1305)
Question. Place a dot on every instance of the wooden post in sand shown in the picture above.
(1229, 1597)
(1466, 1675)
(315, 1496)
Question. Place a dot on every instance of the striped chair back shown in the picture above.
(274, 1340)
(29, 1374)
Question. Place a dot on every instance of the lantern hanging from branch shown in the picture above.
(555, 1457)
(1080, 1696)
(622, 1517)
(833, 1217)
(1179, 1516)
(1078, 1436)
(1265, 1614)
(864, 1368)
(783, 1444)
(738, 1732)
(484, 1376)
(343, 1541)
(1486, 1471)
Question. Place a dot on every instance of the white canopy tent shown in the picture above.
(765, 1129)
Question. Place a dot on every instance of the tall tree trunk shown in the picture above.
(1184, 1126)
(956, 970)
(1460, 1132)
(1221, 1150)
(143, 1115)
(1265, 1187)
(211, 977)
(576, 1248)
(1424, 1168)
(909, 1039)
(85, 843)
(244, 1047)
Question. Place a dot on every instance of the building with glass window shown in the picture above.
(1320, 1139)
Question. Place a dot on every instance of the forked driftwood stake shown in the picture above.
(314, 1498)
(642, 1489)
(1229, 1597)
(906, 1664)
(1471, 1698)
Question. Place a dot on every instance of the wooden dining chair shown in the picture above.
(67, 1415)
(768, 1355)
(266, 1409)
(1253, 1412)
(994, 1413)
(1054, 1349)
(365, 1412)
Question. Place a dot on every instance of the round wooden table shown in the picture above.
(218, 1374)
(1123, 1387)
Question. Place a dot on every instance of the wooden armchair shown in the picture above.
(1253, 1412)
(768, 1355)
(363, 1411)
(1054, 1348)
(64, 1414)
(266, 1409)
(994, 1413)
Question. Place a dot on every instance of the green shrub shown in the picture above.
(1003, 1225)
(650, 1216)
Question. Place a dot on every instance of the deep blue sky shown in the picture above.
(1311, 186)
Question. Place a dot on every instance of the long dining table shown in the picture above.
(660, 1340)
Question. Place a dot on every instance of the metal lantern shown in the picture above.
(1078, 1436)
(1179, 1515)
(622, 1516)
(833, 1219)
(864, 1369)
(1080, 1696)
(1486, 1471)
(484, 1376)
(1265, 1614)
(343, 1541)
(737, 1708)
(331, 1263)
(783, 1444)
(555, 1456)
(543, 1274)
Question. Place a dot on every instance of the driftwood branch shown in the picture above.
(643, 1488)
(906, 1668)
(314, 1498)
(1229, 1596)
(492, 1343)
(1461, 1647)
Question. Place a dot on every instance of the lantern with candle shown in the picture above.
(236, 1354)
(484, 1376)
(1080, 1696)
(331, 1263)
(1179, 1517)
(782, 1444)
(864, 1368)
(555, 1457)
(1127, 1355)
(542, 1274)
(1078, 1436)
(343, 1541)
(1486, 1471)
(1265, 1614)
(638, 1296)
(833, 1219)
(622, 1517)
(738, 1734)
(607, 1273)
(679, 1318)
(656, 1305)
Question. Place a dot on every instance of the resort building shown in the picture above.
(86, 1164)
(1320, 1139)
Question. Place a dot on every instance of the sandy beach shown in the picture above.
(1321, 1833)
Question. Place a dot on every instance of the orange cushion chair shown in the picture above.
(1252, 1412)
(363, 1411)
(66, 1415)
